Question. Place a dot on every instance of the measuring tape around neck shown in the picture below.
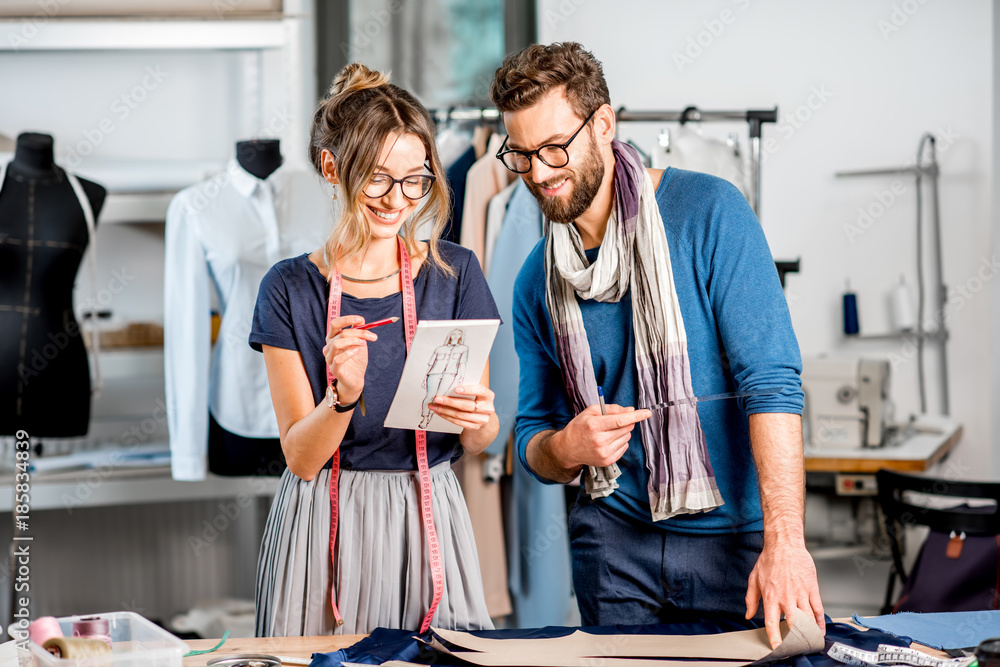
(423, 469)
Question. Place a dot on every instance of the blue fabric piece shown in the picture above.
(456, 175)
(739, 337)
(954, 629)
(385, 644)
(291, 314)
(662, 576)
(538, 561)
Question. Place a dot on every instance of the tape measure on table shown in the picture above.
(892, 655)
(423, 469)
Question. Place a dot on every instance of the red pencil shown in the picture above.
(377, 323)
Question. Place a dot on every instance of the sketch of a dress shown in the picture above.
(445, 370)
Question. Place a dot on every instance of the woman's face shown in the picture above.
(402, 155)
(454, 338)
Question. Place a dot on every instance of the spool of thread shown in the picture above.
(44, 628)
(93, 627)
(903, 316)
(72, 648)
(988, 653)
(851, 326)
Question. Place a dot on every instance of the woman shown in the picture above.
(445, 368)
(332, 384)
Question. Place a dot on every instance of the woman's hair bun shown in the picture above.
(356, 76)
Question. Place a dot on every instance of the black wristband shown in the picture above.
(340, 407)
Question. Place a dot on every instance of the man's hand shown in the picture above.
(785, 576)
(589, 439)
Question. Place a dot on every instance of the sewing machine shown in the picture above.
(847, 402)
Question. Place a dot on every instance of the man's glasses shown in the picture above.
(553, 155)
(413, 187)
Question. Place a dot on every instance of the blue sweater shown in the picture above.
(739, 337)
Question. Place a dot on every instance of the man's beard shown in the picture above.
(585, 187)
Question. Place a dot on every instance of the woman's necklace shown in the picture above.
(370, 280)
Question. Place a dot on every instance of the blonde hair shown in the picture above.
(353, 122)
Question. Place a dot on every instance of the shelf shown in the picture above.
(899, 335)
(94, 488)
(107, 34)
(127, 207)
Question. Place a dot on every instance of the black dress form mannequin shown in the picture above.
(230, 454)
(44, 373)
(259, 157)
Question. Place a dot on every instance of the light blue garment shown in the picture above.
(955, 629)
(538, 566)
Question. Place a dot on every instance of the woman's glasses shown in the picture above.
(412, 187)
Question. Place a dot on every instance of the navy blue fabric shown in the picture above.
(291, 314)
(384, 644)
(739, 337)
(624, 573)
(457, 174)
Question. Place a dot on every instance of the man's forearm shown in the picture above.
(541, 458)
(776, 439)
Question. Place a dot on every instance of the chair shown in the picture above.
(960, 521)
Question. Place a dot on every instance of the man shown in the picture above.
(653, 286)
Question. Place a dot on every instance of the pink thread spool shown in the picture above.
(44, 628)
(93, 628)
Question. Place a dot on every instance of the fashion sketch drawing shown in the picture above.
(445, 370)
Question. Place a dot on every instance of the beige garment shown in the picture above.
(485, 510)
(582, 649)
(486, 178)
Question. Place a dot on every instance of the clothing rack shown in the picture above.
(755, 118)
(465, 113)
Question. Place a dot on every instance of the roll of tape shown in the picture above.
(71, 648)
(43, 629)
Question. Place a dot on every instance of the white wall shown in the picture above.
(873, 90)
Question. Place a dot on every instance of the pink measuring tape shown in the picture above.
(426, 492)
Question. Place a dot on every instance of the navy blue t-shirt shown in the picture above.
(291, 314)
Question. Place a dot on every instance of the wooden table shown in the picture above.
(918, 453)
(304, 647)
(293, 647)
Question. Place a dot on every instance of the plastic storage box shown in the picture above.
(135, 641)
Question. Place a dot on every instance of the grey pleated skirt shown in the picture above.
(382, 561)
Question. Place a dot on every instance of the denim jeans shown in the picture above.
(627, 573)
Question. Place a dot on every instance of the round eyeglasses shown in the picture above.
(552, 155)
(412, 187)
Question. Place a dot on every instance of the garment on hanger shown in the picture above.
(538, 557)
(39, 263)
(226, 233)
(495, 212)
(452, 142)
(457, 176)
(689, 149)
(487, 177)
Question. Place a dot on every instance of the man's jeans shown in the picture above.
(628, 573)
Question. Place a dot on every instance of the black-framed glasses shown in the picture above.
(553, 155)
(412, 187)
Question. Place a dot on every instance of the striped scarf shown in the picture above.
(634, 255)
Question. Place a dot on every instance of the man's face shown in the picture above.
(563, 193)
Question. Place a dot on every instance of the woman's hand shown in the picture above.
(472, 410)
(346, 353)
